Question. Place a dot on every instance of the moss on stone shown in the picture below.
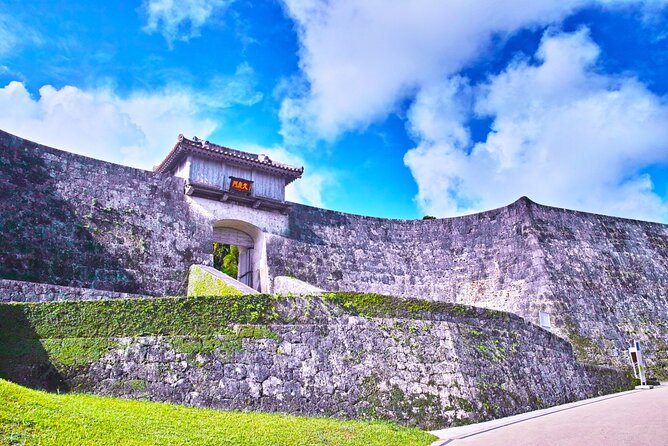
(137, 384)
(202, 283)
(205, 344)
(63, 353)
(230, 341)
(77, 352)
(378, 305)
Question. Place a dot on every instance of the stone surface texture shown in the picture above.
(604, 280)
(431, 370)
(289, 285)
(70, 220)
(17, 291)
(74, 221)
(207, 281)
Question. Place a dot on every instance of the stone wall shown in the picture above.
(75, 221)
(348, 356)
(17, 291)
(604, 280)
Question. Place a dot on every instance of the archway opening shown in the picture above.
(237, 251)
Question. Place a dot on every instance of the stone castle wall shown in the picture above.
(429, 366)
(603, 280)
(17, 291)
(75, 221)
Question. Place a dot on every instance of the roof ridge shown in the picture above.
(204, 147)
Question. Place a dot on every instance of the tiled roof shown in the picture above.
(205, 149)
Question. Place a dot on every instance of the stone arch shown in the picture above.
(252, 250)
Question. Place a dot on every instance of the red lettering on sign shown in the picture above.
(240, 185)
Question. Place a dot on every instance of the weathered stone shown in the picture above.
(363, 367)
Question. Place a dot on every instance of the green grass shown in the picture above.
(29, 417)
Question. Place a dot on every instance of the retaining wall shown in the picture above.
(349, 356)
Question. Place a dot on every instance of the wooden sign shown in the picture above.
(240, 185)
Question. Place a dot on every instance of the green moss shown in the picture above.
(462, 403)
(226, 344)
(136, 384)
(204, 315)
(585, 349)
(204, 344)
(62, 353)
(76, 352)
(487, 344)
(256, 332)
(203, 283)
(378, 305)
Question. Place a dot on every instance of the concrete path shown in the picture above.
(636, 417)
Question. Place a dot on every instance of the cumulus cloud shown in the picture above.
(562, 133)
(361, 58)
(238, 89)
(182, 19)
(136, 130)
(306, 190)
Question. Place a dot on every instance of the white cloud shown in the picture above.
(306, 190)
(361, 58)
(136, 131)
(562, 133)
(238, 89)
(180, 19)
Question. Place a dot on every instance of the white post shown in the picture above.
(635, 353)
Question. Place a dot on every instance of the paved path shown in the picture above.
(636, 417)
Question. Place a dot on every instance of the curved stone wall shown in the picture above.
(345, 356)
(74, 221)
(70, 220)
(603, 280)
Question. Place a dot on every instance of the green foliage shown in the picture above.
(191, 316)
(77, 352)
(66, 352)
(204, 315)
(226, 259)
(462, 403)
(487, 344)
(256, 332)
(227, 342)
(29, 417)
(377, 305)
(203, 283)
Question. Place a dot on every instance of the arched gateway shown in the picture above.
(243, 235)
(243, 195)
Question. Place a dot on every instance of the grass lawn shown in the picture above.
(29, 417)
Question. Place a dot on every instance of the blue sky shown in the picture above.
(396, 109)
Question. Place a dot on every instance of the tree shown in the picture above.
(226, 259)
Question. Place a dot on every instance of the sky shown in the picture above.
(396, 109)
